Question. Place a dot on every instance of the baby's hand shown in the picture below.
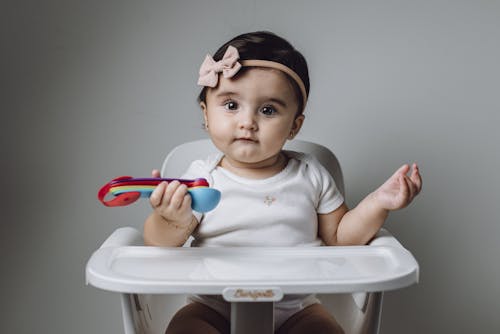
(172, 201)
(400, 189)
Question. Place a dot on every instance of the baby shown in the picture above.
(255, 91)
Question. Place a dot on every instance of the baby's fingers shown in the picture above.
(404, 189)
(155, 173)
(178, 196)
(416, 178)
(157, 195)
(401, 170)
(412, 189)
(186, 204)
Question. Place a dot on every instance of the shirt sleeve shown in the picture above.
(329, 196)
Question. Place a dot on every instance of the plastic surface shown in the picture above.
(358, 313)
(127, 190)
(139, 269)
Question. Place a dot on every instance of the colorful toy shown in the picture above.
(127, 190)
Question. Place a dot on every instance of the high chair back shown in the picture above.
(178, 160)
(149, 300)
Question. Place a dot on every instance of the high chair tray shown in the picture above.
(140, 269)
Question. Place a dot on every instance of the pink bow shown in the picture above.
(210, 69)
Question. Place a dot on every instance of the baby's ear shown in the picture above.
(297, 125)
(203, 107)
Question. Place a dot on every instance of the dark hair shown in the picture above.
(265, 45)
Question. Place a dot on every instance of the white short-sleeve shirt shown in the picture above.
(277, 211)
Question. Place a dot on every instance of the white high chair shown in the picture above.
(153, 281)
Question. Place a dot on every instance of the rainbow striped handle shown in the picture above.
(126, 190)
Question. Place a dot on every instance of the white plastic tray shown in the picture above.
(140, 269)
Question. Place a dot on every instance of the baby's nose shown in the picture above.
(247, 120)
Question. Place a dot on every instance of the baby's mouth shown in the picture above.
(246, 139)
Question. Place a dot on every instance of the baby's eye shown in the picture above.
(231, 105)
(268, 111)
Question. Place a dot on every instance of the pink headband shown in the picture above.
(229, 66)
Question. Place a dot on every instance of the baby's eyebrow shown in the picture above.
(225, 94)
(278, 101)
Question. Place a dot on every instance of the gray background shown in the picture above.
(95, 89)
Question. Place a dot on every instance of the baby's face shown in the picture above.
(250, 117)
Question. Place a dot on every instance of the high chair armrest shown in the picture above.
(124, 236)
(385, 238)
(382, 238)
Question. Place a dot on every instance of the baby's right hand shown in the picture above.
(171, 201)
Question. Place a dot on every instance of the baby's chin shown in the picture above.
(249, 160)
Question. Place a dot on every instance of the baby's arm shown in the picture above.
(172, 220)
(359, 225)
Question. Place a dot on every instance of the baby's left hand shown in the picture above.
(400, 189)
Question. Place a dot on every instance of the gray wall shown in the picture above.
(95, 89)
